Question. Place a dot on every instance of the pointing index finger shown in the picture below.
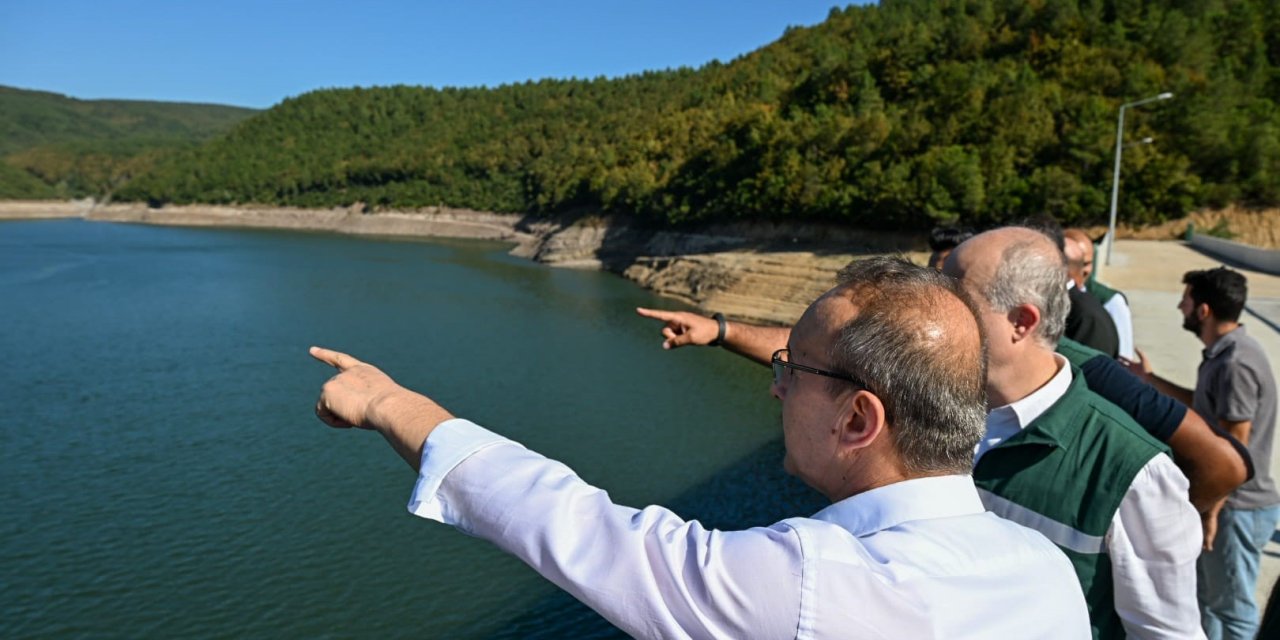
(656, 314)
(335, 359)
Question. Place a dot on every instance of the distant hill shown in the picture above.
(897, 115)
(73, 146)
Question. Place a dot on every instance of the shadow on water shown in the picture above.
(754, 491)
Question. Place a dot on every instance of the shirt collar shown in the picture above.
(891, 505)
(1031, 407)
(1233, 336)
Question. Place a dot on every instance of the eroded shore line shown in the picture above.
(757, 272)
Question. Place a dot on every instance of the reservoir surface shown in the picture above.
(164, 474)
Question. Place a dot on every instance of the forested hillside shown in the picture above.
(52, 145)
(907, 113)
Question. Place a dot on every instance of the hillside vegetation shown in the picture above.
(52, 145)
(908, 113)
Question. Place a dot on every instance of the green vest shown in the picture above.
(1064, 475)
(1075, 353)
(1102, 292)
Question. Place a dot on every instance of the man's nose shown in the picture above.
(776, 390)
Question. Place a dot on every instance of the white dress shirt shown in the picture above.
(1154, 538)
(1118, 308)
(914, 559)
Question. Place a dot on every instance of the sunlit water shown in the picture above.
(164, 476)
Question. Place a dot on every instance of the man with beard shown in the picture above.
(1236, 389)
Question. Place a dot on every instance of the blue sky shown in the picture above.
(257, 53)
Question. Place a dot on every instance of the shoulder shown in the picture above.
(1243, 358)
(1077, 354)
(1104, 293)
(1112, 423)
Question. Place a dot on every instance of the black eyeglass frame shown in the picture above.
(779, 364)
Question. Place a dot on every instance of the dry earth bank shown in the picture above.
(758, 271)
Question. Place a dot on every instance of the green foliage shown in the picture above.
(16, 184)
(63, 147)
(902, 114)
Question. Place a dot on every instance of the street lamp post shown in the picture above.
(1115, 179)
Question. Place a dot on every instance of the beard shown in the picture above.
(1192, 324)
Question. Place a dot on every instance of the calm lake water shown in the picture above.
(164, 475)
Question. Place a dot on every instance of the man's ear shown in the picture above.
(1203, 311)
(1024, 318)
(862, 421)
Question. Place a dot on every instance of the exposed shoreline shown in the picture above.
(758, 272)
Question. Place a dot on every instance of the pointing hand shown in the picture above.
(349, 398)
(683, 328)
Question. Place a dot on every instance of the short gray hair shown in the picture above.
(1032, 272)
(933, 390)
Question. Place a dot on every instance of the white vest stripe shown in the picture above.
(1057, 533)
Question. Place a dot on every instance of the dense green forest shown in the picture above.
(907, 113)
(55, 146)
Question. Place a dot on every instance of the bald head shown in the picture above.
(1074, 253)
(910, 334)
(1083, 244)
(1012, 266)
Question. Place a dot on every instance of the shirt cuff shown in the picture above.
(452, 442)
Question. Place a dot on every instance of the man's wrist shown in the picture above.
(722, 329)
(401, 408)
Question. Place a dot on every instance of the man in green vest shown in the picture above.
(1081, 471)
(1058, 458)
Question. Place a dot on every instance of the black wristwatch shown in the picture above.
(724, 327)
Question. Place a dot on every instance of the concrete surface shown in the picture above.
(1150, 275)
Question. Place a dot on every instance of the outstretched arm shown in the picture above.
(1142, 368)
(362, 396)
(647, 571)
(751, 341)
(1214, 465)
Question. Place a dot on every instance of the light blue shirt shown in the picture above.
(914, 559)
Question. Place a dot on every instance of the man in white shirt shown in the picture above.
(882, 390)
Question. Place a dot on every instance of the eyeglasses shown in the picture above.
(781, 361)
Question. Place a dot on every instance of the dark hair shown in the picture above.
(931, 380)
(944, 238)
(1224, 290)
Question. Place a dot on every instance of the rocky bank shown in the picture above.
(758, 272)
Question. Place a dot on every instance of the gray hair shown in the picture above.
(1032, 272)
(931, 380)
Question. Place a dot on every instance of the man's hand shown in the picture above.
(1209, 524)
(683, 328)
(362, 396)
(348, 399)
(1140, 367)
